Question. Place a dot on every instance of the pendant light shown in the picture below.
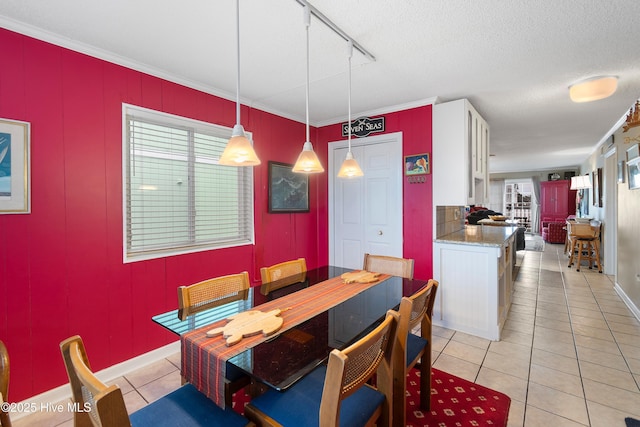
(308, 161)
(239, 151)
(350, 167)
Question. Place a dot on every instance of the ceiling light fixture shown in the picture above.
(239, 151)
(308, 161)
(350, 167)
(593, 89)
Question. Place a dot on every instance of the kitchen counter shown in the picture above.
(474, 267)
(479, 235)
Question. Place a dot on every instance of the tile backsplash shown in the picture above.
(449, 219)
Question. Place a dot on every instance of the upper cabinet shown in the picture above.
(460, 155)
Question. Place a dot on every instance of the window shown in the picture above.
(517, 201)
(176, 198)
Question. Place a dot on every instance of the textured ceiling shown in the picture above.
(514, 60)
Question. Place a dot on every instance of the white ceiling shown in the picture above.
(514, 60)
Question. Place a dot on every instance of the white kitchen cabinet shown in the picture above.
(475, 270)
(460, 155)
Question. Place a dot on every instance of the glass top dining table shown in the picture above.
(286, 357)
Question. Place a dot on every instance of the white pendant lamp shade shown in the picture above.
(308, 161)
(593, 89)
(350, 167)
(239, 151)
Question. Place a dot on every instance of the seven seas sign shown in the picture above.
(364, 126)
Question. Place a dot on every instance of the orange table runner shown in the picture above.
(203, 361)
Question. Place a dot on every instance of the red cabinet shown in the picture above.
(558, 201)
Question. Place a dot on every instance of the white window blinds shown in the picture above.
(177, 198)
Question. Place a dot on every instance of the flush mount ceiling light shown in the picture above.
(593, 89)
(239, 151)
(350, 167)
(308, 161)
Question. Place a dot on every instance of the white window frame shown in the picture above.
(245, 184)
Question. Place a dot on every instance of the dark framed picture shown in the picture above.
(596, 187)
(417, 164)
(288, 191)
(633, 173)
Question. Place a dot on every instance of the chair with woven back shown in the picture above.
(212, 293)
(5, 420)
(337, 393)
(103, 406)
(394, 266)
(282, 274)
(411, 349)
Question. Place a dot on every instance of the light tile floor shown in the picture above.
(570, 353)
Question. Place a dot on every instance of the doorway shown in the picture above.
(518, 196)
(365, 214)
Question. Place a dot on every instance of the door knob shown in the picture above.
(379, 232)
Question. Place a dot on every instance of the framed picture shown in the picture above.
(15, 173)
(288, 191)
(633, 152)
(633, 173)
(417, 164)
(596, 186)
(621, 171)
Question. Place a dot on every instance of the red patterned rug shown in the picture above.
(454, 402)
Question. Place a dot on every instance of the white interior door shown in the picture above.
(365, 214)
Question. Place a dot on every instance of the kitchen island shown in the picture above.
(474, 267)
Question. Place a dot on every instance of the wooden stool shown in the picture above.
(588, 250)
(584, 239)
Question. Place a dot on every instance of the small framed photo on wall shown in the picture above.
(417, 164)
(633, 173)
(15, 167)
(621, 172)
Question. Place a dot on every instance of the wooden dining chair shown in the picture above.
(411, 349)
(212, 293)
(5, 420)
(105, 405)
(394, 266)
(337, 393)
(275, 276)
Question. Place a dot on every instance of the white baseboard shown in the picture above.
(63, 392)
(629, 303)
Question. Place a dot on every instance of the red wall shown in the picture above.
(61, 270)
(415, 125)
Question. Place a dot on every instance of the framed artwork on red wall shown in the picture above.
(417, 164)
(288, 191)
(15, 173)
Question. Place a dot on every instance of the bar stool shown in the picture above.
(584, 239)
